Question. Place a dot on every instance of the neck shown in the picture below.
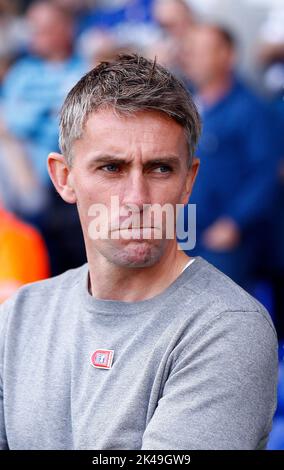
(214, 90)
(111, 282)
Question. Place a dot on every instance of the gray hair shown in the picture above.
(128, 84)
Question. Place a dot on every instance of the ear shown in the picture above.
(61, 176)
(190, 179)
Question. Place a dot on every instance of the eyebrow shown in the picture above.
(169, 159)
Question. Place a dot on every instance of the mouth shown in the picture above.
(120, 229)
(135, 228)
(138, 233)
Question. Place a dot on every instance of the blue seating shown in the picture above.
(276, 440)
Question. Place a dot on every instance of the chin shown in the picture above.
(138, 254)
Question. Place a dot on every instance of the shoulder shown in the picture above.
(218, 299)
(63, 282)
(24, 64)
(226, 333)
(37, 296)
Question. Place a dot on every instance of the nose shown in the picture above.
(135, 191)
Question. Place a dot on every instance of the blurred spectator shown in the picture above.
(271, 52)
(33, 91)
(175, 19)
(76, 6)
(271, 61)
(13, 30)
(128, 22)
(234, 191)
(80, 9)
(35, 86)
(13, 36)
(19, 188)
(23, 255)
(99, 45)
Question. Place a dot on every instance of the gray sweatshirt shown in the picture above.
(194, 367)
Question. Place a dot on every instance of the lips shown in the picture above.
(134, 228)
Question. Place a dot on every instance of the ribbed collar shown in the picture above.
(117, 308)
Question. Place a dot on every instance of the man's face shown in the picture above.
(141, 160)
(173, 16)
(206, 56)
(50, 30)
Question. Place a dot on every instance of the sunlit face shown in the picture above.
(140, 159)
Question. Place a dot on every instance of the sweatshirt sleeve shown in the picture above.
(221, 390)
(3, 323)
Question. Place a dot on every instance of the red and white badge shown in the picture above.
(102, 358)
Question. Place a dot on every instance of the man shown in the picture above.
(142, 347)
(271, 61)
(36, 85)
(235, 189)
(128, 23)
(175, 18)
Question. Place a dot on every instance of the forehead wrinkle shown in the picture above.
(145, 123)
(132, 144)
(144, 135)
(126, 139)
(103, 158)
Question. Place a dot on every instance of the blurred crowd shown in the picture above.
(46, 46)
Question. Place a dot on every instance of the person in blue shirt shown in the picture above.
(32, 94)
(235, 187)
(35, 86)
(129, 22)
(110, 14)
(271, 61)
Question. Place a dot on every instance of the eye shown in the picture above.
(162, 169)
(110, 168)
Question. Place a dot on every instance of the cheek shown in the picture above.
(171, 195)
(90, 190)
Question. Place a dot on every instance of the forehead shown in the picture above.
(207, 37)
(105, 128)
(44, 14)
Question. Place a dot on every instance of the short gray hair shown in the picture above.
(129, 83)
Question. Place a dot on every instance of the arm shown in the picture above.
(3, 323)
(255, 197)
(221, 391)
(3, 438)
